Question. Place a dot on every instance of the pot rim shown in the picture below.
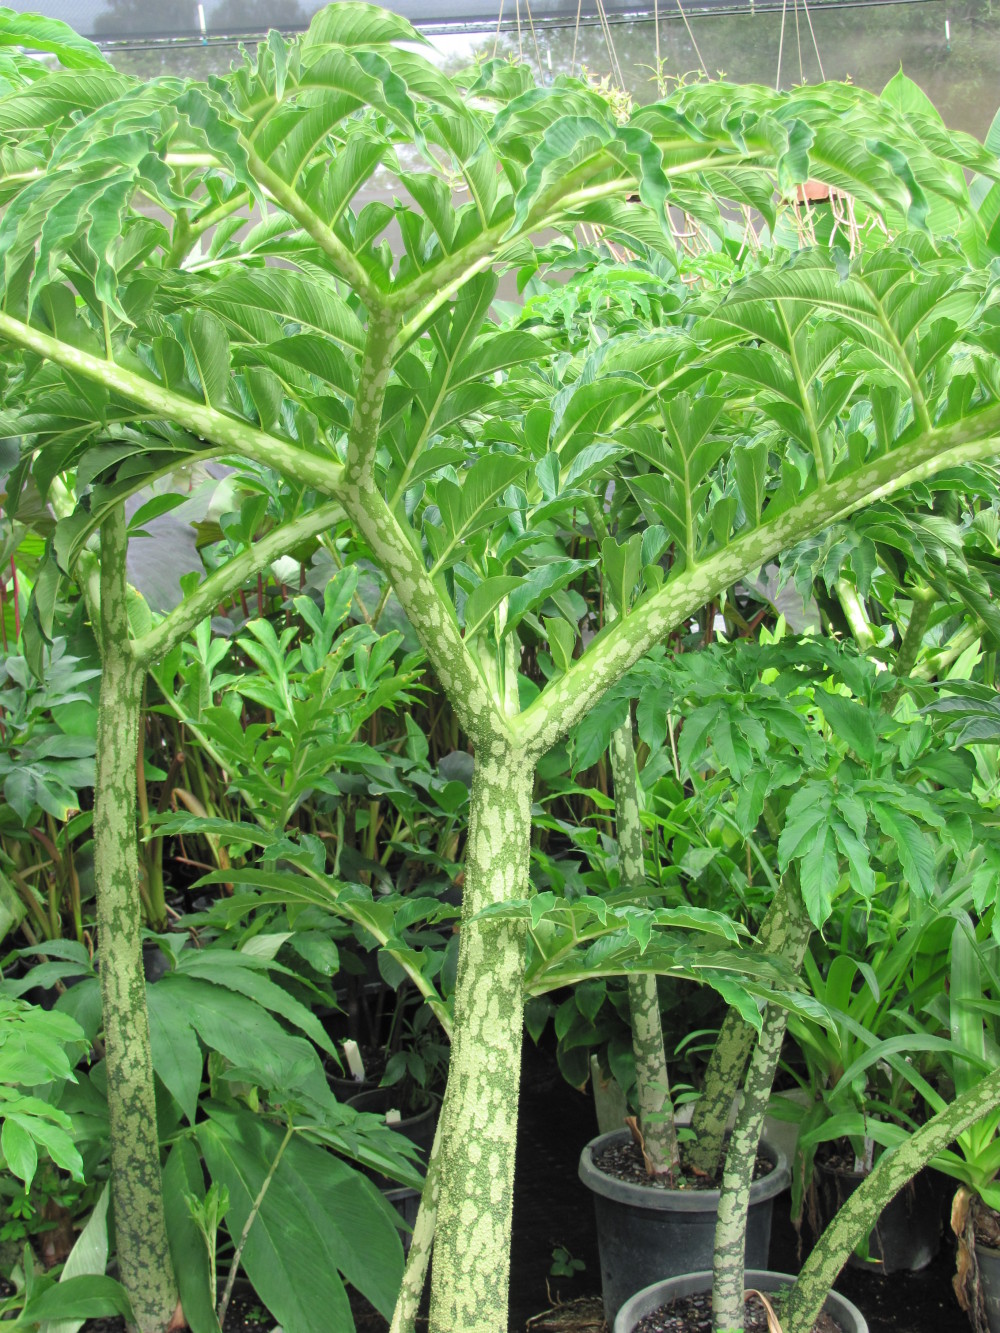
(675, 1201)
(358, 1100)
(652, 1297)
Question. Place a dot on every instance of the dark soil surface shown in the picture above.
(624, 1161)
(839, 1161)
(693, 1314)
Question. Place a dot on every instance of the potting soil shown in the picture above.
(624, 1161)
(693, 1314)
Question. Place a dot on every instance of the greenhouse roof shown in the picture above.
(132, 20)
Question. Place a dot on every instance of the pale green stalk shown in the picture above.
(737, 1178)
(652, 1079)
(207, 423)
(924, 601)
(856, 615)
(421, 1243)
(136, 1187)
(154, 645)
(728, 1062)
(935, 664)
(479, 1116)
(234, 1267)
(656, 1112)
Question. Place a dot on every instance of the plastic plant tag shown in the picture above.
(353, 1057)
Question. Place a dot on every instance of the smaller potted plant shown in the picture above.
(656, 1213)
(865, 1069)
(806, 1296)
(815, 824)
(409, 1094)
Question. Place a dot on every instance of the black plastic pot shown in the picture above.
(406, 1202)
(907, 1235)
(346, 1089)
(419, 1129)
(646, 1234)
(989, 1275)
(848, 1316)
(345, 1086)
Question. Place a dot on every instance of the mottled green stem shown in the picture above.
(421, 1242)
(924, 601)
(137, 1192)
(479, 1118)
(737, 1178)
(728, 1062)
(656, 1112)
(860, 1213)
(723, 1080)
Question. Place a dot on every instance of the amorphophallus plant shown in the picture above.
(199, 264)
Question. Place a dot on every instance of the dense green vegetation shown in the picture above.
(481, 703)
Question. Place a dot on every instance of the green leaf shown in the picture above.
(352, 24)
(538, 585)
(319, 1219)
(622, 566)
(912, 848)
(484, 600)
(37, 33)
(568, 143)
(182, 1176)
(209, 347)
(593, 735)
(750, 802)
(793, 165)
(79, 1298)
(88, 1256)
(750, 466)
(19, 1151)
(243, 1032)
(965, 993)
(562, 640)
(819, 874)
(908, 97)
(177, 1056)
(257, 302)
(482, 486)
(153, 508)
(851, 724)
(234, 971)
(61, 96)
